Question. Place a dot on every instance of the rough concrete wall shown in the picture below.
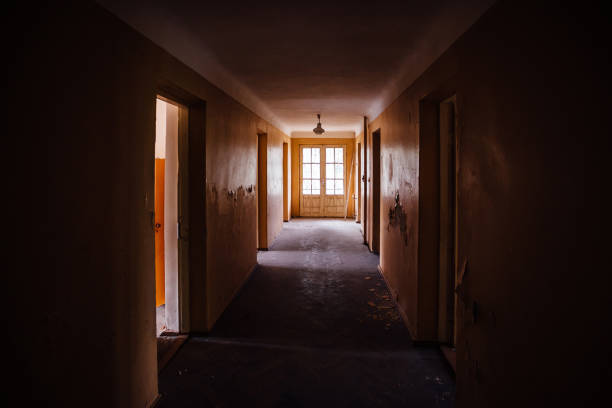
(87, 281)
(530, 83)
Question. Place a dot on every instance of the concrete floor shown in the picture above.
(313, 327)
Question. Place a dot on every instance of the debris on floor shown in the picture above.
(309, 331)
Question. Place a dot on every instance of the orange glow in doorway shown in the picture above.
(160, 277)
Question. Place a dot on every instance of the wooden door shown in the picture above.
(334, 181)
(311, 168)
(160, 275)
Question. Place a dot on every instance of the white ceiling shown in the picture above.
(288, 61)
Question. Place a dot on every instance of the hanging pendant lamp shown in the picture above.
(318, 130)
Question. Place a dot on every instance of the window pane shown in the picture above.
(329, 155)
(306, 170)
(316, 192)
(316, 155)
(339, 155)
(339, 174)
(306, 155)
(316, 185)
(329, 171)
(306, 186)
(316, 171)
(339, 185)
(329, 186)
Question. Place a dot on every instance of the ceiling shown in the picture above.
(288, 61)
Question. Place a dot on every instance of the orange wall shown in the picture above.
(160, 285)
(97, 202)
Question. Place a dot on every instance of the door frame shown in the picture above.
(191, 205)
(348, 189)
(182, 226)
(449, 234)
(375, 187)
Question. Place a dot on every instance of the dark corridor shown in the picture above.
(314, 326)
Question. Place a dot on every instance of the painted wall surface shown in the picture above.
(530, 83)
(275, 183)
(295, 169)
(334, 134)
(90, 293)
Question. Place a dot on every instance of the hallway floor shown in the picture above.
(313, 327)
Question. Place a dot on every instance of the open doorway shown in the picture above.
(447, 331)
(262, 191)
(375, 243)
(170, 214)
(358, 186)
(285, 182)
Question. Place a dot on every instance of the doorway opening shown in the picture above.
(285, 182)
(170, 216)
(447, 330)
(262, 191)
(358, 186)
(375, 243)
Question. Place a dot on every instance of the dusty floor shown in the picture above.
(313, 327)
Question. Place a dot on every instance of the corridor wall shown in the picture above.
(528, 80)
(87, 277)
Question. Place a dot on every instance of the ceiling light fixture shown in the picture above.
(318, 130)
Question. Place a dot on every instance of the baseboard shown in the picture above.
(175, 347)
(451, 356)
(155, 401)
(397, 306)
